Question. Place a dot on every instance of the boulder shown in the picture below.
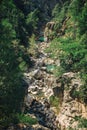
(71, 106)
(28, 100)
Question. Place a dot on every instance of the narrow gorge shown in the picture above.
(43, 65)
(50, 98)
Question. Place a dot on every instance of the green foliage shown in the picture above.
(59, 12)
(83, 123)
(6, 120)
(10, 73)
(71, 48)
(78, 9)
(73, 56)
(53, 50)
(56, 11)
(17, 118)
(26, 119)
(71, 128)
(83, 20)
(7, 31)
(79, 94)
(32, 18)
(11, 88)
(58, 71)
(10, 80)
(32, 21)
(54, 101)
(33, 46)
(23, 66)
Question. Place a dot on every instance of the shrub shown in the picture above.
(26, 119)
(33, 47)
(54, 101)
(83, 123)
(58, 71)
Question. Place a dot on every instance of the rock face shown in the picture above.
(53, 29)
(71, 105)
(43, 85)
(48, 31)
(42, 111)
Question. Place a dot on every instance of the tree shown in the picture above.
(11, 88)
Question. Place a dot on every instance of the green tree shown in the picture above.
(32, 21)
(11, 88)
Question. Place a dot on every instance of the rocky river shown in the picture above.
(42, 85)
(40, 89)
(50, 99)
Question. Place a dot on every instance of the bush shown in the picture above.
(58, 71)
(26, 119)
(83, 123)
(54, 101)
(33, 47)
(32, 21)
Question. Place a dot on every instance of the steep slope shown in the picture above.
(70, 48)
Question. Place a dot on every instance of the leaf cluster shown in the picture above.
(71, 48)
